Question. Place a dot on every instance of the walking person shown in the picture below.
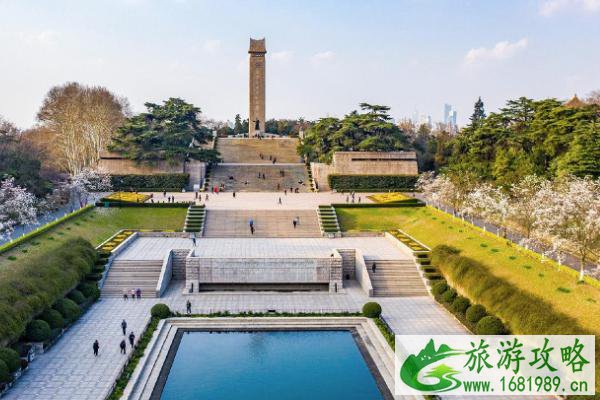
(123, 347)
(294, 222)
(373, 267)
(124, 327)
(193, 237)
(96, 347)
(188, 307)
(279, 201)
(131, 338)
(234, 195)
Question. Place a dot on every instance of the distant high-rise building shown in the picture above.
(449, 116)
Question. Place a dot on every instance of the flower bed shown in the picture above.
(114, 241)
(127, 197)
(388, 197)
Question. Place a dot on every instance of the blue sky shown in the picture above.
(324, 57)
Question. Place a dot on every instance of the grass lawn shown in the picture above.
(95, 226)
(433, 227)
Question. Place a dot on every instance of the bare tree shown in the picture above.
(593, 97)
(82, 120)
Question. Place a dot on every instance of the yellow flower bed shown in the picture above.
(129, 197)
(388, 197)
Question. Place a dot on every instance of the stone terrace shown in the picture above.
(245, 177)
(248, 151)
(275, 223)
(155, 248)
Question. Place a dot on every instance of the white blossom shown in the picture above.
(87, 181)
(17, 207)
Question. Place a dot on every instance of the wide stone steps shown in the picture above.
(268, 223)
(395, 278)
(245, 177)
(125, 275)
(249, 150)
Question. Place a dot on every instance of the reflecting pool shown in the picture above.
(262, 365)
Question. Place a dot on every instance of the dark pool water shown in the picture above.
(269, 365)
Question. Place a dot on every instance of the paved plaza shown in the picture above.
(155, 248)
(70, 371)
(265, 200)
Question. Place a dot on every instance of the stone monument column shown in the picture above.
(256, 115)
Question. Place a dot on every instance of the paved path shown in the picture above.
(155, 248)
(70, 371)
(264, 200)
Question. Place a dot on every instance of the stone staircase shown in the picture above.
(328, 221)
(130, 274)
(268, 223)
(244, 177)
(249, 150)
(194, 220)
(395, 278)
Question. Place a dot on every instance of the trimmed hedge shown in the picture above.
(27, 291)
(490, 325)
(372, 182)
(460, 304)
(11, 358)
(89, 290)
(38, 331)
(38, 231)
(448, 296)
(53, 318)
(475, 313)
(68, 309)
(371, 310)
(160, 310)
(145, 182)
(5, 376)
(76, 296)
(523, 312)
(144, 205)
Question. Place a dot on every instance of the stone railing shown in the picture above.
(362, 275)
(166, 272)
(114, 253)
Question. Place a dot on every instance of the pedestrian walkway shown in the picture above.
(266, 223)
(260, 177)
(70, 370)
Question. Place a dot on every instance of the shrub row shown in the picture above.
(474, 316)
(399, 204)
(372, 182)
(523, 312)
(143, 205)
(36, 232)
(145, 182)
(38, 283)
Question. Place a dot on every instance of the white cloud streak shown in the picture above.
(211, 45)
(501, 51)
(322, 57)
(551, 7)
(282, 56)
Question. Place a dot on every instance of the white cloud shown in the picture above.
(550, 7)
(322, 57)
(211, 45)
(501, 51)
(282, 56)
(45, 38)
